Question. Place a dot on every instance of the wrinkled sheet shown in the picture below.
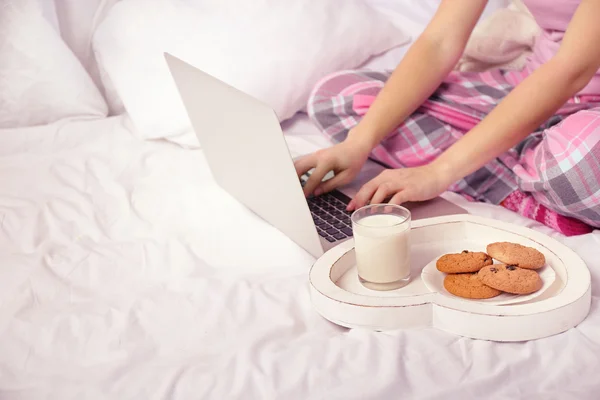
(126, 273)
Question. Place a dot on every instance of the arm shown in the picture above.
(429, 60)
(536, 99)
(530, 104)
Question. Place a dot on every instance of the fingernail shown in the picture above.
(318, 191)
(350, 206)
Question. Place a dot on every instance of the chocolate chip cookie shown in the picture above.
(469, 286)
(464, 262)
(516, 254)
(510, 279)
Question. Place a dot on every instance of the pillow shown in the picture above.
(274, 50)
(78, 20)
(49, 12)
(504, 40)
(41, 81)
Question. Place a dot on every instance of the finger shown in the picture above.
(400, 197)
(338, 180)
(316, 177)
(305, 164)
(382, 193)
(364, 194)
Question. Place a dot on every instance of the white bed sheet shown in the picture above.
(127, 274)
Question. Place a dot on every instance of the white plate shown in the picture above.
(338, 296)
(434, 280)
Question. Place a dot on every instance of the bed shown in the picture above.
(127, 273)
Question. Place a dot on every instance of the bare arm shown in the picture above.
(429, 60)
(536, 99)
(530, 104)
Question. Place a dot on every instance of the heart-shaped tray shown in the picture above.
(338, 295)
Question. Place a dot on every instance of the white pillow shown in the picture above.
(78, 21)
(272, 49)
(41, 81)
(49, 12)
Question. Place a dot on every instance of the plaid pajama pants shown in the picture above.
(558, 164)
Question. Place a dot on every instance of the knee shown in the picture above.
(347, 83)
(326, 89)
(568, 162)
(332, 96)
(575, 137)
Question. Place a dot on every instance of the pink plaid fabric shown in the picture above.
(559, 164)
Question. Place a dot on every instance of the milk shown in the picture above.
(382, 249)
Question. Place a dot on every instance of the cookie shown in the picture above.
(464, 262)
(469, 286)
(510, 279)
(516, 254)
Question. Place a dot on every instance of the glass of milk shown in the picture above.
(382, 245)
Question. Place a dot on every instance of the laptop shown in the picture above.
(249, 158)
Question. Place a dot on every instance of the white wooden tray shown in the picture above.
(338, 295)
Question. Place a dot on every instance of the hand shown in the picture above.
(345, 159)
(402, 185)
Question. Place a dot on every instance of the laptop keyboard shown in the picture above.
(330, 216)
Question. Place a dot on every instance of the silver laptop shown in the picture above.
(245, 148)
